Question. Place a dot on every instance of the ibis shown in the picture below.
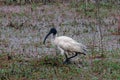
(66, 45)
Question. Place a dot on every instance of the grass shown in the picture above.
(93, 67)
(51, 68)
(90, 9)
(46, 68)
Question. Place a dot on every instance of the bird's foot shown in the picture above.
(67, 61)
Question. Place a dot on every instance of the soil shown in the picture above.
(22, 29)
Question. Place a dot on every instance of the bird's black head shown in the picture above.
(52, 31)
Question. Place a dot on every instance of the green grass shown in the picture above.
(51, 68)
(97, 67)
(46, 68)
(91, 9)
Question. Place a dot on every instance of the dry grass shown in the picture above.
(51, 68)
(22, 29)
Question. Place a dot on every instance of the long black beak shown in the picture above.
(46, 37)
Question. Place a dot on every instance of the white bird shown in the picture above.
(66, 44)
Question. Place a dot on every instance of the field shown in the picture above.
(23, 56)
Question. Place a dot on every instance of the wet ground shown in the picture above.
(22, 28)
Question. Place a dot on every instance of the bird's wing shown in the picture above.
(70, 44)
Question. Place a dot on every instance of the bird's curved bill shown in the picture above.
(46, 37)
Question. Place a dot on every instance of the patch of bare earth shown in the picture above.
(22, 29)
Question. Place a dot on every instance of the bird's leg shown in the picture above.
(65, 55)
(67, 60)
(73, 56)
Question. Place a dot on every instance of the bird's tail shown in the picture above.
(85, 50)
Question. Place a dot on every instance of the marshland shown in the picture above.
(24, 24)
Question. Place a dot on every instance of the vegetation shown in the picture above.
(24, 23)
(51, 68)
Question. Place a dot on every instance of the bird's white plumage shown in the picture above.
(68, 44)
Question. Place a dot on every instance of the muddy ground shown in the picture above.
(22, 28)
